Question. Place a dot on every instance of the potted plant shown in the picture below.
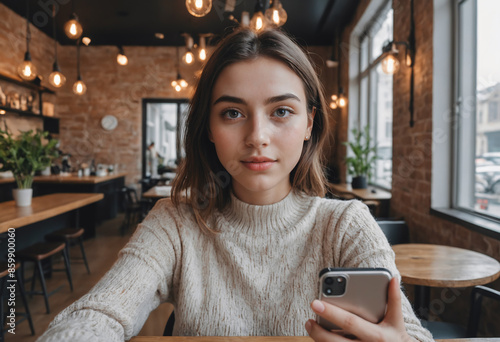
(360, 165)
(24, 155)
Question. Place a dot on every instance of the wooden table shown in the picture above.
(157, 192)
(264, 339)
(428, 266)
(42, 207)
(369, 194)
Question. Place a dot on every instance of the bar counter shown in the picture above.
(70, 179)
(42, 208)
(110, 186)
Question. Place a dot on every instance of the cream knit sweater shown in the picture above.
(258, 276)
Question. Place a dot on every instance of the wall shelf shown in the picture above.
(30, 85)
(20, 112)
(26, 84)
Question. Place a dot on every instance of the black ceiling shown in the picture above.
(133, 22)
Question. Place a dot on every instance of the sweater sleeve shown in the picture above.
(117, 307)
(363, 244)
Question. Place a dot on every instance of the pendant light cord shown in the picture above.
(78, 58)
(54, 30)
(28, 32)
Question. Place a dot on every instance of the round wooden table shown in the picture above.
(428, 266)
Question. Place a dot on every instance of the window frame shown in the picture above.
(366, 64)
(447, 123)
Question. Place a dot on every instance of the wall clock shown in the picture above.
(109, 122)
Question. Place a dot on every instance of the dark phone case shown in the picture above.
(365, 293)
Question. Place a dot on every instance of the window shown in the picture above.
(375, 93)
(163, 125)
(477, 141)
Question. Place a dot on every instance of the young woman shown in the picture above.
(239, 247)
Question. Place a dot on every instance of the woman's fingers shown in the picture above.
(348, 322)
(394, 315)
(318, 334)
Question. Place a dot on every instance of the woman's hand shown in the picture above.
(392, 327)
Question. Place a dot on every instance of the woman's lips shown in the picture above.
(258, 164)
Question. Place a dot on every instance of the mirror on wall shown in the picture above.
(163, 122)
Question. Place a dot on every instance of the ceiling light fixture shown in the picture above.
(79, 88)
(179, 83)
(86, 41)
(199, 8)
(73, 28)
(202, 52)
(188, 57)
(56, 78)
(276, 14)
(259, 21)
(27, 69)
(342, 100)
(121, 58)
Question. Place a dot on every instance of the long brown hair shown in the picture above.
(201, 177)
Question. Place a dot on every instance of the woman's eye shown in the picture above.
(231, 114)
(282, 112)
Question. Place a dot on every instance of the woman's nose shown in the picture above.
(257, 131)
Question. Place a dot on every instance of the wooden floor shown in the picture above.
(101, 252)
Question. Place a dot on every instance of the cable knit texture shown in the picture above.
(258, 276)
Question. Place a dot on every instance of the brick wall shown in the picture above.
(111, 89)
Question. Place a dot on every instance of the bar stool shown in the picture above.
(4, 282)
(68, 235)
(37, 253)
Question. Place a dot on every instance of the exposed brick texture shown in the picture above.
(111, 89)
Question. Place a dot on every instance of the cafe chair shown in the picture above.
(134, 209)
(396, 232)
(4, 283)
(442, 330)
(37, 253)
(373, 206)
(70, 236)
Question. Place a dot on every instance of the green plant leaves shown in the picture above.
(26, 154)
(362, 163)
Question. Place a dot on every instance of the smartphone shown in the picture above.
(362, 291)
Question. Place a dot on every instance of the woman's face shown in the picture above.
(258, 123)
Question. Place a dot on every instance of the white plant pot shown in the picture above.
(22, 197)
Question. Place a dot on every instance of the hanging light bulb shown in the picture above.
(258, 21)
(333, 103)
(79, 87)
(188, 57)
(179, 83)
(72, 28)
(199, 8)
(202, 54)
(56, 78)
(121, 58)
(86, 40)
(276, 14)
(342, 100)
(27, 69)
